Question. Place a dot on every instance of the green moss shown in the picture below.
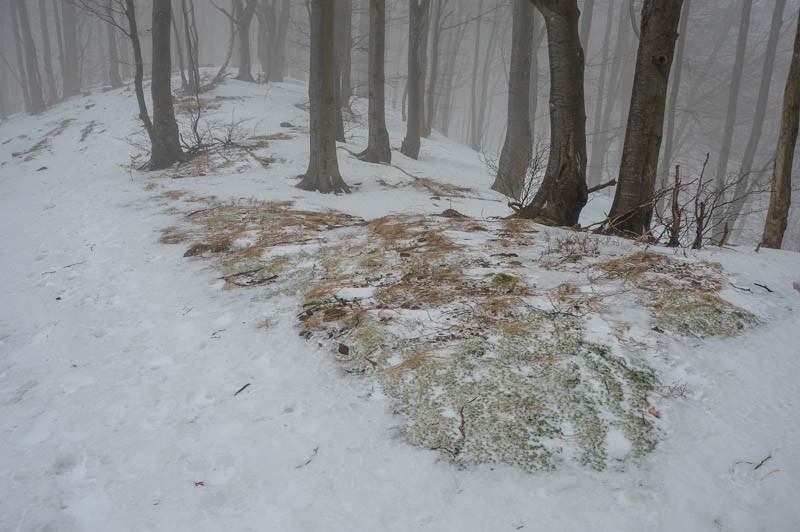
(698, 314)
(503, 282)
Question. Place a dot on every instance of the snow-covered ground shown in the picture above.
(120, 361)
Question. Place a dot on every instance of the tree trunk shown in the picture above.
(113, 56)
(781, 195)
(378, 150)
(672, 107)
(474, 134)
(323, 167)
(138, 59)
(515, 157)
(633, 206)
(487, 64)
(446, 105)
(586, 21)
(436, 33)
(176, 35)
(31, 62)
(71, 70)
(596, 173)
(52, 91)
(245, 12)
(563, 192)
(344, 44)
(22, 79)
(192, 57)
(166, 149)
(419, 11)
(361, 63)
(537, 37)
(744, 179)
(730, 120)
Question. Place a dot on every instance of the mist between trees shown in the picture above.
(660, 104)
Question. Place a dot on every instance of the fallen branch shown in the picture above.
(765, 287)
(314, 454)
(240, 390)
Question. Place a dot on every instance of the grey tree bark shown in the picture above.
(632, 209)
(273, 29)
(419, 11)
(22, 77)
(71, 70)
(515, 158)
(598, 146)
(730, 119)
(438, 17)
(47, 55)
(537, 37)
(32, 75)
(563, 193)
(323, 166)
(586, 21)
(474, 138)
(672, 106)
(166, 148)
(245, 12)
(744, 180)
(378, 150)
(113, 56)
(781, 194)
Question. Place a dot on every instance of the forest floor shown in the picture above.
(209, 347)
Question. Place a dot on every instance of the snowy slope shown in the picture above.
(119, 361)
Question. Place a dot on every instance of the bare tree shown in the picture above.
(32, 75)
(323, 166)
(516, 155)
(47, 55)
(563, 193)
(781, 196)
(70, 67)
(166, 147)
(113, 57)
(378, 150)
(419, 15)
(244, 11)
(631, 211)
(273, 21)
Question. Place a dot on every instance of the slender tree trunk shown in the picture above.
(138, 77)
(563, 193)
(744, 179)
(59, 41)
(246, 12)
(278, 59)
(166, 149)
(474, 131)
(672, 106)
(378, 150)
(31, 62)
(323, 166)
(515, 157)
(597, 146)
(344, 42)
(781, 196)
(446, 106)
(192, 43)
(485, 74)
(113, 56)
(265, 13)
(22, 79)
(176, 35)
(419, 11)
(361, 63)
(438, 8)
(730, 119)
(52, 91)
(632, 209)
(71, 70)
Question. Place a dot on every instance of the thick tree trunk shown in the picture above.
(563, 192)
(515, 157)
(419, 11)
(537, 37)
(745, 179)
(52, 91)
(71, 70)
(730, 119)
(378, 150)
(166, 149)
(781, 196)
(34, 80)
(633, 203)
(245, 18)
(323, 166)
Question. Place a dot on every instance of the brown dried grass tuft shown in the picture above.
(655, 271)
(415, 361)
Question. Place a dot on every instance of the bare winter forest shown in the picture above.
(399, 264)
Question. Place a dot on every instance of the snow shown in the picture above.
(120, 361)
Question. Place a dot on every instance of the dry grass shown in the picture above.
(87, 130)
(656, 271)
(438, 189)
